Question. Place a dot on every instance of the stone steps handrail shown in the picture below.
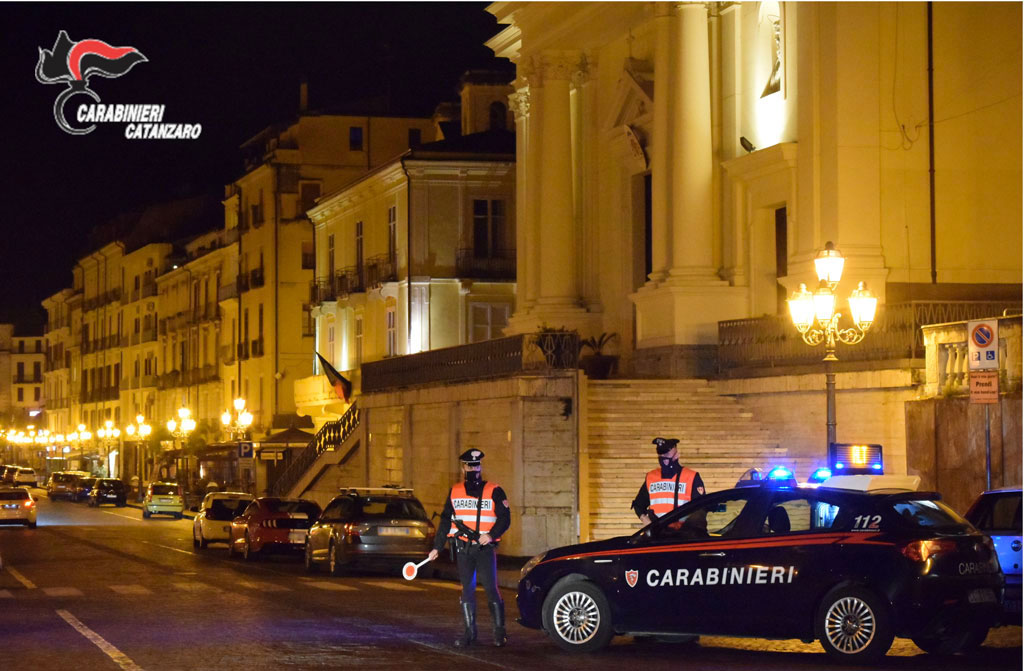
(331, 434)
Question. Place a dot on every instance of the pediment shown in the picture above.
(633, 102)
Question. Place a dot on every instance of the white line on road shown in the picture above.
(62, 591)
(476, 660)
(263, 586)
(323, 584)
(168, 547)
(22, 579)
(133, 519)
(130, 590)
(119, 657)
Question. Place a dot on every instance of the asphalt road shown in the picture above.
(104, 589)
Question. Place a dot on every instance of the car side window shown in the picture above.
(796, 514)
(250, 509)
(706, 519)
(346, 509)
(331, 513)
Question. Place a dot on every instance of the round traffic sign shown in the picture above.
(982, 335)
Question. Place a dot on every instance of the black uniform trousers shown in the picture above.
(474, 560)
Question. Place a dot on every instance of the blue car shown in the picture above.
(998, 514)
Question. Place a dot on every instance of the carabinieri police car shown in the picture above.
(851, 562)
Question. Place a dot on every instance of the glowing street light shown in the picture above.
(815, 317)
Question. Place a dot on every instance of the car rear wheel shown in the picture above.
(854, 625)
(31, 525)
(231, 547)
(197, 538)
(577, 617)
(308, 558)
(335, 560)
(146, 514)
(248, 553)
(952, 643)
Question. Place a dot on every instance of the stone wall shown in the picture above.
(869, 409)
(946, 446)
(527, 427)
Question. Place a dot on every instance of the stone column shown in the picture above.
(556, 222)
(525, 260)
(691, 177)
(661, 145)
(587, 113)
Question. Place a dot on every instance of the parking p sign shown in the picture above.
(983, 345)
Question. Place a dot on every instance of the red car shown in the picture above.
(271, 523)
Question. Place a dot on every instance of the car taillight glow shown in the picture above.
(922, 551)
(29, 503)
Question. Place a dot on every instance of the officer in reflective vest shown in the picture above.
(667, 487)
(474, 518)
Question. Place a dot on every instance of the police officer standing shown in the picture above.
(474, 518)
(667, 487)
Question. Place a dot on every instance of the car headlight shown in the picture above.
(528, 566)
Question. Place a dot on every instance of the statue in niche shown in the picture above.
(774, 84)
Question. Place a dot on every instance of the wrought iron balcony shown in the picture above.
(257, 347)
(256, 278)
(499, 265)
(227, 292)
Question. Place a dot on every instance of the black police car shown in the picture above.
(849, 563)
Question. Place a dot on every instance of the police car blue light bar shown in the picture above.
(856, 458)
(820, 475)
(780, 473)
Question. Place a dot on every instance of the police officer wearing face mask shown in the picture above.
(475, 516)
(667, 487)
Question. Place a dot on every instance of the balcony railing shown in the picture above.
(243, 350)
(500, 357)
(227, 355)
(243, 283)
(331, 435)
(227, 292)
(148, 335)
(257, 347)
(499, 265)
(148, 289)
(378, 270)
(772, 341)
(256, 278)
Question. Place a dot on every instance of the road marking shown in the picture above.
(195, 587)
(392, 585)
(446, 650)
(6, 594)
(130, 590)
(133, 519)
(119, 657)
(444, 585)
(22, 579)
(168, 547)
(62, 591)
(324, 584)
(264, 586)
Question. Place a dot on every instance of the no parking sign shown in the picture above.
(983, 345)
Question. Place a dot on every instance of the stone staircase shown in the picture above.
(717, 437)
(322, 452)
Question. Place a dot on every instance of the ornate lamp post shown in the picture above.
(237, 424)
(181, 429)
(137, 433)
(815, 316)
(108, 436)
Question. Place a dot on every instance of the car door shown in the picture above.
(789, 559)
(679, 565)
(320, 532)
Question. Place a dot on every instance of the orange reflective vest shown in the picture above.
(466, 508)
(667, 494)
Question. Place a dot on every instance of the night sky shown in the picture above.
(234, 68)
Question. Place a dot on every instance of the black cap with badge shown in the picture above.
(665, 445)
(471, 457)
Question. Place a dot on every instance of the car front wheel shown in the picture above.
(854, 625)
(334, 560)
(248, 553)
(577, 617)
(308, 558)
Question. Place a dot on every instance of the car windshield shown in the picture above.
(15, 495)
(226, 509)
(165, 490)
(402, 508)
(64, 477)
(306, 508)
(110, 484)
(930, 514)
(998, 512)
(87, 482)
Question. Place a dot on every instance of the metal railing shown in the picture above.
(228, 291)
(500, 357)
(330, 435)
(500, 264)
(773, 341)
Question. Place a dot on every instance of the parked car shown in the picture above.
(163, 498)
(61, 484)
(850, 563)
(270, 523)
(25, 476)
(108, 490)
(17, 506)
(997, 514)
(83, 486)
(212, 522)
(7, 472)
(381, 527)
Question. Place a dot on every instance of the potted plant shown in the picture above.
(598, 366)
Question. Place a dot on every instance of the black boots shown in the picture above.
(498, 617)
(469, 620)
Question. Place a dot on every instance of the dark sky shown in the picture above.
(234, 68)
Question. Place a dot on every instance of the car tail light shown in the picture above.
(352, 533)
(29, 503)
(269, 524)
(922, 551)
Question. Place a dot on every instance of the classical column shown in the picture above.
(586, 113)
(556, 221)
(661, 145)
(691, 176)
(525, 260)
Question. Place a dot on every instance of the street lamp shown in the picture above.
(237, 423)
(181, 429)
(815, 316)
(108, 436)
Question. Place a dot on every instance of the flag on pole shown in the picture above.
(342, 387)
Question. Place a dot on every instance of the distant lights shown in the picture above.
(840, 465)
